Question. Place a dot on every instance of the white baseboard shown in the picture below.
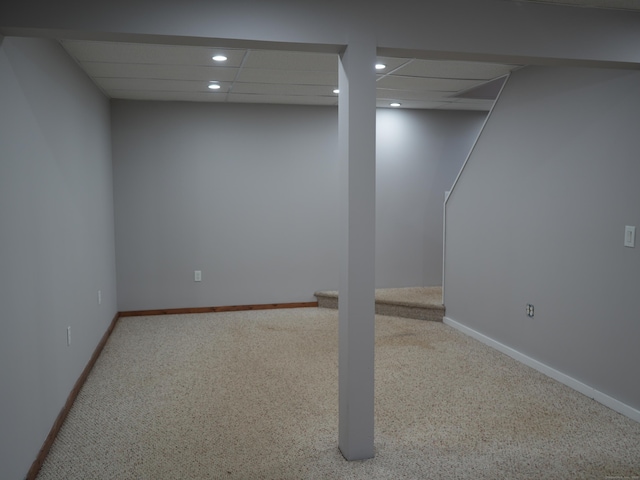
(590, 392)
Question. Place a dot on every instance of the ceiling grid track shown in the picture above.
(137, 71)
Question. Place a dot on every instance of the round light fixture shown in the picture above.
(395, 104)
(380, 66)
(336, 91)
(214, 86)
(219, 58)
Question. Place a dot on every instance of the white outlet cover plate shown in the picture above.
(629, 236)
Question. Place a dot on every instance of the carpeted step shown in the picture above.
(422, 303)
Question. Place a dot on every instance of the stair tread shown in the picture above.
(409, 302)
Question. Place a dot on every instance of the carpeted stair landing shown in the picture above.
(421, 303)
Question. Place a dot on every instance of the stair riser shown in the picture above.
(418, 313)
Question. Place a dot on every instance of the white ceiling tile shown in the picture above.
(418, 83)
(178, 72)
(115, 52)
(281, 89)
(110, 84)
(413, 104)
(286, 99)
(465, 101)
(168, 96)
(168, 72)
(290, 77)
(464, 106)
(391, 63)
(388, 93)
(460, 70)
(314, 62)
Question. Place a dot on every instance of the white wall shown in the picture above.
(538, 217)
(473, 28)
(418, 155)
(248, 194)
(56, 239)
(245, 193)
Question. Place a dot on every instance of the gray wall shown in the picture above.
(245, 193)
(418, 155)
(538, 217)
(248, 194)
(471, 27)
(56, 239)
(484, 30)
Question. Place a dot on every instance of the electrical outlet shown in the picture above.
(99, 297)
(529, 310)
(197, 276)
(629, 236)
(68, 336)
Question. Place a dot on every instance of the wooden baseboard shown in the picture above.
(57, 425)
(231, 308)
(46, 446)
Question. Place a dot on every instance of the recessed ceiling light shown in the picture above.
(219, 58)
(336, 90)
(380, 66)
(395, 104)
(214, 86)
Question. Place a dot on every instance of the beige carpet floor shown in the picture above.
(253, 395)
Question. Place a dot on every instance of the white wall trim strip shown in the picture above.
(455, 182)
(590, 392)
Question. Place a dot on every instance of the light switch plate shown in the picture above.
(629, 236)
(197, 275)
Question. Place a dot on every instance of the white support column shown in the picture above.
(357, 137)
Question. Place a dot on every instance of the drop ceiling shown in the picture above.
(139, 71)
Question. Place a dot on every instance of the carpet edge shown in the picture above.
(598, 396)
(228, 308)
(57, 424)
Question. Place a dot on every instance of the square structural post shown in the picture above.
(357, 137)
